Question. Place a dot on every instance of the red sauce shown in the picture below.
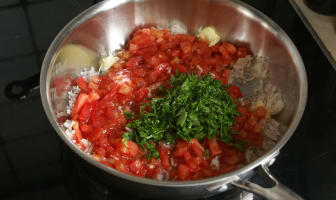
(148, 61)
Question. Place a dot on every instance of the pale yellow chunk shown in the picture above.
(106, 62)
(210, 35)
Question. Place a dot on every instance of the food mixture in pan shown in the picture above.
(174, 106)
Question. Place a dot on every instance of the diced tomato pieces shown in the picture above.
(231, 49)
(197, 148)
(235, 92)
(231, 160)
(242, 52)
(187, 156)
(125, 89)
(82, 84)
(85, 113)
(180, 69)
(135, 166)
(141, 94)
(194, 164)
(226, 77)
(94, 96)
(134, 61)
(183, 172)
(261, 112)
(86, 128)
(214, 148)
(181, 148)
(164, 157)
(120, 166)
(81, 100)
(130, 150)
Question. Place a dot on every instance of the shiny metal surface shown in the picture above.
(101, 30)
(276, 192)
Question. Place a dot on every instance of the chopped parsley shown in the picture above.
(206, 153)
(192, 108)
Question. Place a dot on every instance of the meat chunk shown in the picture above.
(252, 76)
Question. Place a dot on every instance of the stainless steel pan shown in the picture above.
(104, 27)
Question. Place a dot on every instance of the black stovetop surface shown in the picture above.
(34, 163)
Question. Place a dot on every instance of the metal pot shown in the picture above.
(105, 26)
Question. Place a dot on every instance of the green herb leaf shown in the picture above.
(206, 153)
(192, 108)
(129, 115)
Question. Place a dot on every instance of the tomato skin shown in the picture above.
(82, 84)
(231, 49)
(197, 148)
(81, 100)
(141, 94)
(180, 69)
(183, 172)
(235, 92)
(180, 148)
(85, 113)
(226, 77)
(131, 149)
(164, 157)
(194, 164)
(120, 166)
(260, 112)
(86, 129)
(135, 166)
(214, 148)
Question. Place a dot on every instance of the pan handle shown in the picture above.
(277, 192)
(21, 89)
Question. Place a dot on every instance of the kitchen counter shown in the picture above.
(322, 27)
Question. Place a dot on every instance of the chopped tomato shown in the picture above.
(179, 68)
(85, 113)
(197, 148)
(135, 166)
(235, 92)
(164, 157)
(226, 76)
(260, 112)
(141, 94)
(214, 148)
(183, 172)
(81, 100)
(242, 52)
(231, 49)
(82, 84)
(181, 148)
(86, 129)
(129, 149)
(125, 89)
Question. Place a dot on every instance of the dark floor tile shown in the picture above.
(58, 13)
(14, 35)
(7, 182)
(22, 196)
(23, 118)
(37, 177)
(8, 2)
(4, 165)
(42, 55)
(34, 152)
(18, 69)
(54, 193)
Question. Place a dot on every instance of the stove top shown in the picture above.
(35, 164)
